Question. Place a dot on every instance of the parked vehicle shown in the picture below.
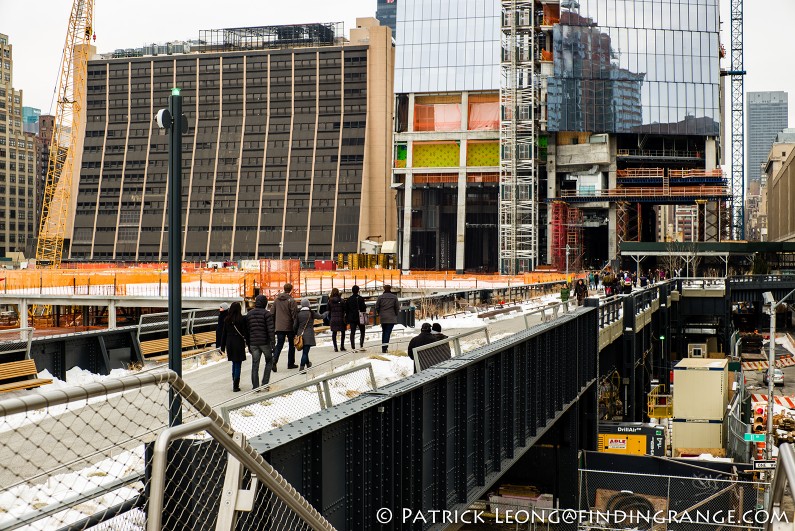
(778, 377)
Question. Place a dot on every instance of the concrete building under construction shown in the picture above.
(286, 154)
(607, 129)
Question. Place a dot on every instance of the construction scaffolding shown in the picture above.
(519, 97)
(567, 237)
(628, 222)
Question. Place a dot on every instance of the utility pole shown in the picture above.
(771, 367)
(568, 250)
(174, 122)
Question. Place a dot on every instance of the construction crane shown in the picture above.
(67, 126)
(738, 121)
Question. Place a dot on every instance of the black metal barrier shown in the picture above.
(440, 439)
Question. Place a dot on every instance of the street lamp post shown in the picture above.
(568, 250)
(771, 362)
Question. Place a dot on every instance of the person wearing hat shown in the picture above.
(304, 327)
(220, 327)
(262, 339)
(425, 337)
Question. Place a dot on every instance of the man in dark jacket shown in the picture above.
(262, 335)
(354, 309)
(387, 306)
(285, 311)
(425, 337)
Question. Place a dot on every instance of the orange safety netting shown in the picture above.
(437, 117)
(484, 112)
(274, 274)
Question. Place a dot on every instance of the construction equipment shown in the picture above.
(67, 129)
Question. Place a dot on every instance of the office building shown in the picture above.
(777, 195)
(766, 116)
(386, 13)
(46, 124)
(17, 163)
(447, 151)
(286, 154)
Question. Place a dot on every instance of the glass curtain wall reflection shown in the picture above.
(636, 66)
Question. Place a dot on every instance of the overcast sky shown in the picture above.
(37, 29)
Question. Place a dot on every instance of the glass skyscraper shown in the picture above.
(447, 46)
(386, 13)
(629, 66)
(767, 116)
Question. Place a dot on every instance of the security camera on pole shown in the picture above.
(175, 123)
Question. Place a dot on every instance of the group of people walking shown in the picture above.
(265, 331)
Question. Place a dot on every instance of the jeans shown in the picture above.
(386, 332)
(353, 335)
(256, 353)
(290, 347)
(305, 356)
(237, 366)
(334, 339)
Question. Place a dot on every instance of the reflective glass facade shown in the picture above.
(636, 66)
(447, 46)
(386, 13)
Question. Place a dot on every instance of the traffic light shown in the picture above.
(759, 420)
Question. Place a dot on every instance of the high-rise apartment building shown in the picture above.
(286, 154)
(447, 150)
(17, 163)
(766, 116)
(386, 13)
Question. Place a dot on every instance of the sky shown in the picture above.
(37, 28)
(38, 36)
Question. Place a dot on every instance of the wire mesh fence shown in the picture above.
(15, 343)
(262, 412)
(83, 457)
(706, 500)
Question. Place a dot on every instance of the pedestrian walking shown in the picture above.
(261, 339)
(234, 337)
(355, 312)
(580, 291)
(219, 329)
(285, 310)
(592, 280)
(386, 306)
(336, 314)
(305, 329)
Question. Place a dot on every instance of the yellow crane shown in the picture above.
(67, 126)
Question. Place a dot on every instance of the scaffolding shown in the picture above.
(265, 37)
(567, 236)
(628, 222)
(519, 98)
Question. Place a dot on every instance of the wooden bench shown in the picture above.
(155, 346)
(13, 370)
(191, 344)
(204, 339)
(494, 313)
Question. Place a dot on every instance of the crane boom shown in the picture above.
(69, 113)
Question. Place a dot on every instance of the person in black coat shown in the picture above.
(425, 337)
(336, 314)
(354, 306)
(220, 327)
(261, 339)
(233, 341)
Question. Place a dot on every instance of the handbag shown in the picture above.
(362, 318)
(298, 340)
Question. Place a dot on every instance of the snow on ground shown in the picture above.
(27, 498)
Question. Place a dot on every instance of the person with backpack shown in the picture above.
(305, 332)
(262, 339)
(387, 306)
(234, 337)
(285, 311)
(336, 315)
(356, 313)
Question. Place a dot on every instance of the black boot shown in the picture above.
(236, 384)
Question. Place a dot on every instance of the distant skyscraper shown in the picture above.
(767, 116)
(386, 13)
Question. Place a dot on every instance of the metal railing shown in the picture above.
(428, 355)
(15, 341)
(783, 484)
(261, 412)
(660, 404)
(106, 445)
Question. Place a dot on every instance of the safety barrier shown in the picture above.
(103, 453)
(261, 412)
(15, 343)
